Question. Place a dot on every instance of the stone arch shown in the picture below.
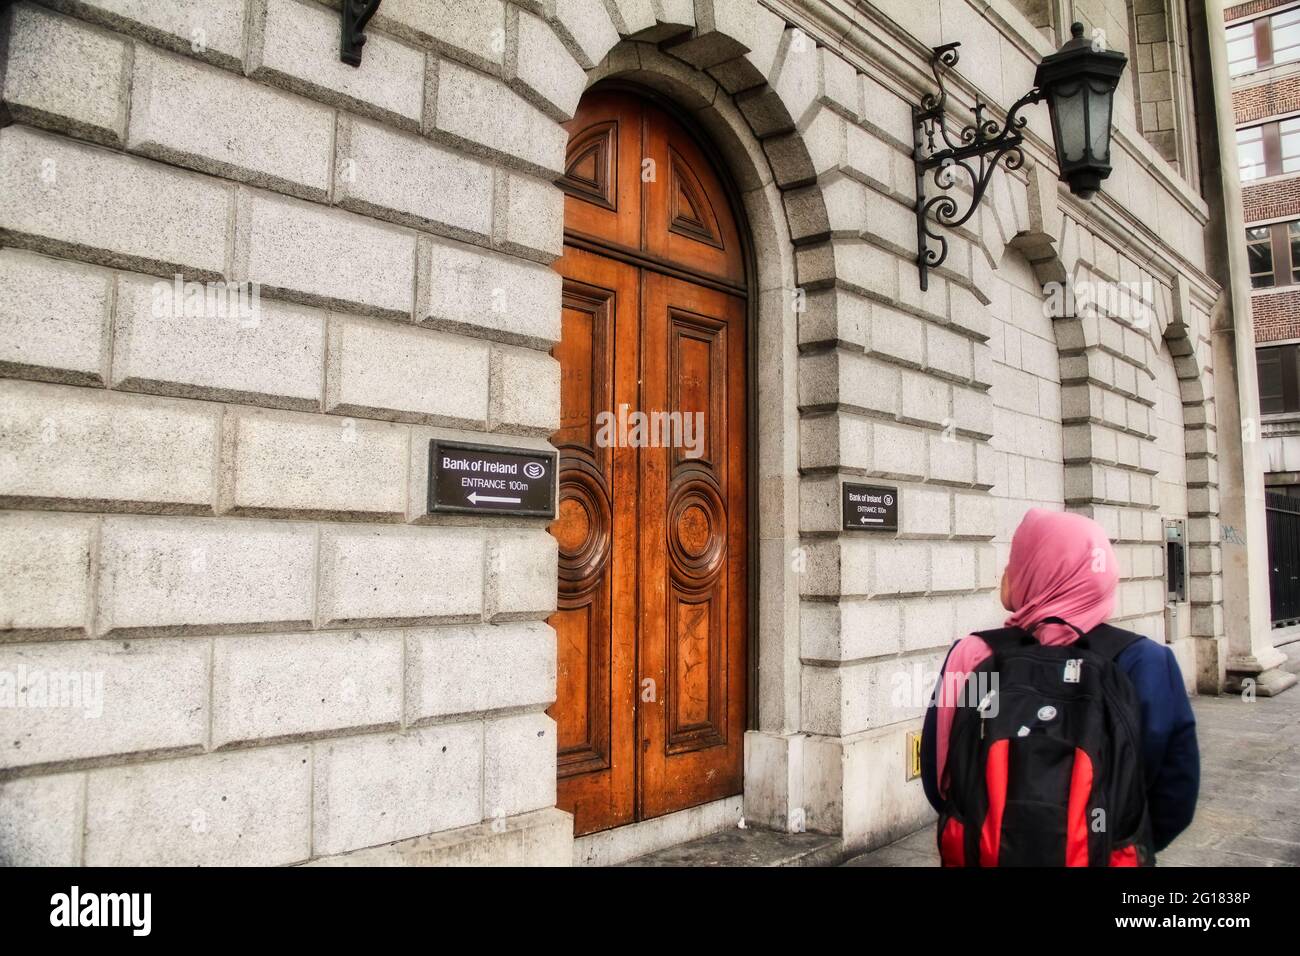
(756, 89)
(1204, 554)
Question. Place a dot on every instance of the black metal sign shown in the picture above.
(489, 479)
(869, 507)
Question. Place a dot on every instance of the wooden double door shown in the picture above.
(652, 522)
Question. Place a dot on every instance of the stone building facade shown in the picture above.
(216, 531)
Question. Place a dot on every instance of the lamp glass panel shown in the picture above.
(1070, 104)
(1099, 104)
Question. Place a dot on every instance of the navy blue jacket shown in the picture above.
(1170, 758)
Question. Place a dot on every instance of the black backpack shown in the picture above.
(1044, 760)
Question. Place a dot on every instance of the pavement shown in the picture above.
(1250, 788)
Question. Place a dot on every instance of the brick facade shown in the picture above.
(1276, 314)
(1238, 10)
(1274, 199)
(1259, 102)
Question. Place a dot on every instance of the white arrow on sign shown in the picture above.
(475, 497)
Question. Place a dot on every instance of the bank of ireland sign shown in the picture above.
(466, 478)
(868, 507)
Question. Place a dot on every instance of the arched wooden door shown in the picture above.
(651, 625)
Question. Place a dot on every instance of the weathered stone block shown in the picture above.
(42, 821)
(469, 30)
(753, 68)
(238, 809)
(378, 789)
(169, 576)
(296, 46)
(248, 132)
(84, 699)
(210, 30)
(530, 217)
(64, 75)
(404, 177)
(44, 575)
(519, 759)
(282, 685)
(53, 319)
(464, 670)
(281, 463)
(382, 370)
(274, 355)
(587, 26)
(378, 576)
(525, 396)
(487, 116)
(521, 575)
(724, 30)
(70, 447)
(540, 68)
(323, 256)
(64, 197)
(470, 290)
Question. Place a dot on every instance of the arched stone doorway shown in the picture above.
(654, 614)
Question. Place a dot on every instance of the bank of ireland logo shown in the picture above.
(534, 469)
(889, 500)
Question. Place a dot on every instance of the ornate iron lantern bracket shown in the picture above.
(973, 154)
(356, 14)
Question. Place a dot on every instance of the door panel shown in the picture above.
(653, 602)
(596, 531)
(686, 213)
(692, 517)
(602, 179)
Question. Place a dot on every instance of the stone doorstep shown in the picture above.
(749, 847)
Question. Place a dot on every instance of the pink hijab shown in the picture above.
(1061, 565)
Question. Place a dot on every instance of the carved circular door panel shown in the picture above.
(696, 528)
(583, 523)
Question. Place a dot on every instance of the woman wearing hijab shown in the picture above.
(1059, 584)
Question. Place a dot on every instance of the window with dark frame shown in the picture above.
(1241, 49)
(1268, 149)
(1273, 254)
(1279, 384)
(1289, 145)
(1259, 253)
(1250, 153)
(1286, 36)
(1263, 42)
(1293, 247)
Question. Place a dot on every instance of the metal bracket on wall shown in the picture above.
(984, 140)
(356, 14)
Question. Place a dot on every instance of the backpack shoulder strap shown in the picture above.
(1110, 642)
(1003, 639)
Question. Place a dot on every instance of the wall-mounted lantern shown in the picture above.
(356, 14)
(1078, 81)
